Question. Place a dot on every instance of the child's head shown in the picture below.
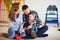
(31, 16)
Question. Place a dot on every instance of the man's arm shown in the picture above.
(37, 18)
(36, 15)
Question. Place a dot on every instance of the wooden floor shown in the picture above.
(53, 34)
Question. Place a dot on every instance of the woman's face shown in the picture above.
(31, 17)
(16, 10)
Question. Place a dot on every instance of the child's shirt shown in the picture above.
(34, 25)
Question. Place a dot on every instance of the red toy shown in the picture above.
(18, 37)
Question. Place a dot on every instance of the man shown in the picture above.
(41, 30)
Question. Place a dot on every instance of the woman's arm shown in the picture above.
(12, 24)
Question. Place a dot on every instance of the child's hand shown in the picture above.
(30, 26)
(33, 22)
(20, 24)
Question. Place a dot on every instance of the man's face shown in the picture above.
(26, 11)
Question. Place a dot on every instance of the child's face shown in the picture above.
(31, 17)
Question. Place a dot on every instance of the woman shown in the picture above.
(15, 21)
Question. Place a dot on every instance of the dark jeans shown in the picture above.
(39, 33)
(42, 30)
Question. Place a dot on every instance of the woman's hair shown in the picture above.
(14, 8)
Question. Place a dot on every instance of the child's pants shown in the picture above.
(34, 27)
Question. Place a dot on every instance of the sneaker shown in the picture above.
(43, 35)
(58, 29)
(33, 34)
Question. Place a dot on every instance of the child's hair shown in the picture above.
(32, 13)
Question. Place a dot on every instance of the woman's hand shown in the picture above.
(23, 30)
(21, 23)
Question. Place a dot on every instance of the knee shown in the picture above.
(46, 27)
(11, 33)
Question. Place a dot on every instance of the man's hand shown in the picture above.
(41, 24)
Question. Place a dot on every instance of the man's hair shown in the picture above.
(24, 7)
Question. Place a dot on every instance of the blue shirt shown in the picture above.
(14, 25)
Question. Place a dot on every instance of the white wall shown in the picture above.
(41, 5)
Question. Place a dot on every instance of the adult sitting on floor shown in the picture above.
(41, 30)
